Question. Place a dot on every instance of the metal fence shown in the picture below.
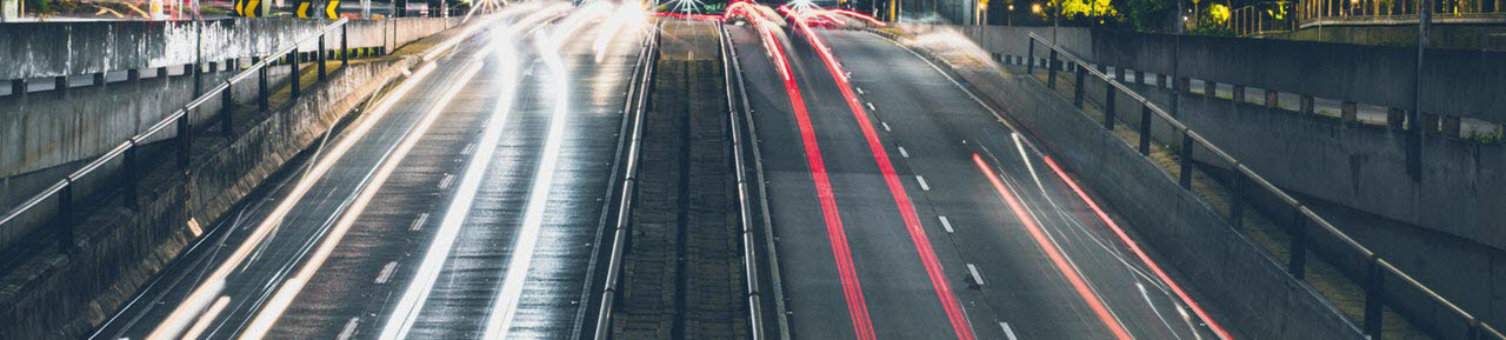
(128, 153)
(1367, 270)
(1262, 18)
(1283, 16)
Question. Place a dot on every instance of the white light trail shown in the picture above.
(499, 322)
(407, 310)
(279, 301)
(215, 281)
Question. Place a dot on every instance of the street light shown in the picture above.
(1035, 8)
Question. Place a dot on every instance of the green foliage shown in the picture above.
(1151, 15)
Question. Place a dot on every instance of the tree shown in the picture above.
(1151, 15)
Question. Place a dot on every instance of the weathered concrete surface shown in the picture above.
(1225, 267)
(44, 49)
(57, 296)
(1459, 83)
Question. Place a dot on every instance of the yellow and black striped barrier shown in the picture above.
(248, 8)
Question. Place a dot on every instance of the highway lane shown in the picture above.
(361, 273)
(1064, 274)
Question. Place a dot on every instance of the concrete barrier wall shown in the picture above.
(1459, 83)
(40, 50)
(1010, 40)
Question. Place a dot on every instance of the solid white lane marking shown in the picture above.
(419, 222)
(386, 273)
(973, 270)
(903, 153)
(349, 330)
(923, 185)
(1009, 332)
(886, 126)
(445, 183)
(946, 224)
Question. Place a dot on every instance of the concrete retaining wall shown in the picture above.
(40, 50)
(1225, 267)
(58, 297)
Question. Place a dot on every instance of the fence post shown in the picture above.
(1077, 91)
(1030, 56)
(184, 135)
(1145, 130)
(1185, 176)
(1297, 263)
(1236, 198)
(1374, 302)
(65, 218)
(1108, 105)
(130, 177)
(293, 58)
(261, 85)
(227, 109)
(1051, 70)
(344, 49)
(320, 59)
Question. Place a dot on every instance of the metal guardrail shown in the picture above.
(643, 78)
(1377, 270)
(745, 209)
(63, 189)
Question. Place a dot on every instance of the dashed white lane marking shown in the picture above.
(419, 223)
(973, 270)
(871, 108)
(923, 185)
(469, 148)
(1009, 332)
(445, 183)
(886, 126)
(946, 224)
(860, 90)
(387, 272)
(903, 153)
(350, 329)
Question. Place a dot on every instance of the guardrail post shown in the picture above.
(130, 178)
(1108, 105)
(1374, 302)
(227, 109)
(1030, 56)
(261, 86)
(1236, 198)
(184, 135)
(1185, 176)
(1145, 130)
(293, 65)
(65, 218)
(320, 59)
(344, 49)
(1051, 71)
(1297, 263)
(1077, 91)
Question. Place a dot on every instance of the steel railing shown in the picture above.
(127, 151)
(1376, 270)
(648, 57)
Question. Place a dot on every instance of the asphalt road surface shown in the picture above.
(417, 218)
(1063, 275)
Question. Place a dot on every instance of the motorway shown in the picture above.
(506, 139)
(968, 231)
